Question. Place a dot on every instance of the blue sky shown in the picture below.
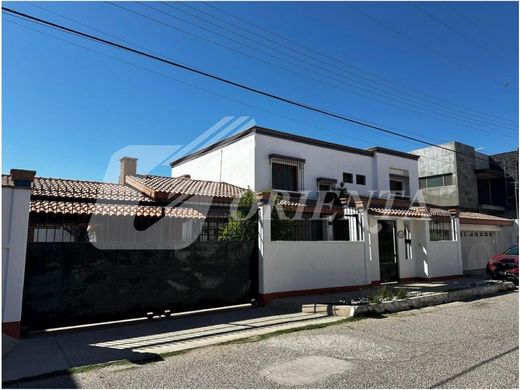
(68, 109)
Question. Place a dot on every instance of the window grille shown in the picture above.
(441, 230)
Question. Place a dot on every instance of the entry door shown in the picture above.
(388, 263)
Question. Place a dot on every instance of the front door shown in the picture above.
(388, 264)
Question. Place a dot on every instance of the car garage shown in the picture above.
(483, 236)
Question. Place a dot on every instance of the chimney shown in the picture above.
(128, 166)
(22, 177)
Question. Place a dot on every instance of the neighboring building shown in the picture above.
(508, 161)
(466, 179)
(83, 251)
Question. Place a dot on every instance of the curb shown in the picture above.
(409, 303)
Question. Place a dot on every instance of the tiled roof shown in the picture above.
(470, 215)
(466, 217)
(184, 186)
(82, 208)
(81, 189)
(412, 212)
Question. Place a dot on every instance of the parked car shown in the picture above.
(504, 265)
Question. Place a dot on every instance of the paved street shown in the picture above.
(462, 344)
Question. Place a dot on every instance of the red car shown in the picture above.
(505, 264)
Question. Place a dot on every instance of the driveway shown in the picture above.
(462, 344)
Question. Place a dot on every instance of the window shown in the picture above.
(513, 251)
(441, 230)
(341, 230)
(285, 177)
(408, 241)
(399, 185)
(286, 172)
(326, 184)
(436, 181)
(58, 233)
(297, 230)
(347, 177)
(361, 179)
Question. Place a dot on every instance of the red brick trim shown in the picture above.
(434, 279)
(264, 299)
(11, 329)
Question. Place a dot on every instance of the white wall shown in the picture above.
(509, 236)
(383, 163)
(232, 164)
(287, 266)
(330, 163)
(307, 265)
(246, 163)
(15, 217)
(443, 259)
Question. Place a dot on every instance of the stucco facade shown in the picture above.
(246, 162)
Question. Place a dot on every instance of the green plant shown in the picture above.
(401, 293)
(242, 224)
(380, 295)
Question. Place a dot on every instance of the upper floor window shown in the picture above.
(436, 181)
(286, 173)
(399, 182)
(347, 177)
(361, 179)
(326, 184)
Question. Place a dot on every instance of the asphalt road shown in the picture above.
(462, 344)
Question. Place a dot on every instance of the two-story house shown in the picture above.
(264, 159)
(383, 234)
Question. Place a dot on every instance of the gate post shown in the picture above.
(264, 241)
(16, 197)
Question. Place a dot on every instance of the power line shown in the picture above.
(426, 47)
(180, 81)
(450, 112)
(193, 85)
(345, 64)
(227, 81)
(486, 130)
(241, 102)
(470, 21)
(440, 21)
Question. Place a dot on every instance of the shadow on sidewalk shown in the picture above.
(54, 354)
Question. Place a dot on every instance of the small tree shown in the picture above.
(242, 224)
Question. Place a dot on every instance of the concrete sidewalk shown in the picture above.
(295, 303)
(145, 341)
(148, 340)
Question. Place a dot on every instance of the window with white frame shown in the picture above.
(286, 173)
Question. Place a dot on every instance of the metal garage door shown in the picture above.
(477, 248)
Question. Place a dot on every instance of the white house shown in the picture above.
(382, 234)
(264, 159)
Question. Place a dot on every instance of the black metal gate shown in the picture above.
(75, 283)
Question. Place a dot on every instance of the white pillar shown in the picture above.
(264, 239)
(15, 221)
(456, 225)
